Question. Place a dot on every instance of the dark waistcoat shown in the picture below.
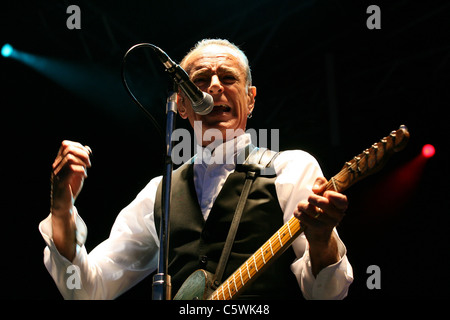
(197, 244)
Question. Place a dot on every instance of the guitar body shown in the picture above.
(196, 287)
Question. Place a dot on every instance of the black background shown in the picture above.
(307, 57)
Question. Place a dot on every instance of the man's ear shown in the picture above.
(182, 111)
(251, 98)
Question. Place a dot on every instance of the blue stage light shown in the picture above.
(7, 50)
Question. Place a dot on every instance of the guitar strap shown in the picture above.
(258, 162)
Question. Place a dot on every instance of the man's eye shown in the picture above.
(199, 81)
(229, 79)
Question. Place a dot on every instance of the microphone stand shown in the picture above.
(161, 281)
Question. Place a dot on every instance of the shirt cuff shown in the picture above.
(331, 283)
(45, 228)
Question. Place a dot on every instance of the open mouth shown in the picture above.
(222, 108)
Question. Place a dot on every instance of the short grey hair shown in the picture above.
(222, 42)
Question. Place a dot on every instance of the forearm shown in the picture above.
(64, 235)
(323, 253)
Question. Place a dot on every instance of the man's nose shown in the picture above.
(215, 86)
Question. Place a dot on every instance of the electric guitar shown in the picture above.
(198, 285)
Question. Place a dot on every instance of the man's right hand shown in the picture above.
(68, 174)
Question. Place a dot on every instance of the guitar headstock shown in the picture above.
(370, 160)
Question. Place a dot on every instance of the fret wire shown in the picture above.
(334, 184)
(254, 260)
(270, 244)
(242, 280)
(235, 285)
(229, 290)
(248, 271)
(289, 229)
(279, 238)
(283, 230)
(294, 224)
(297, 224)
(217, 295)
(262, 253)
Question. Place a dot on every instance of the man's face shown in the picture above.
(219, 71)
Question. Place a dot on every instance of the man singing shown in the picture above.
(205, 194)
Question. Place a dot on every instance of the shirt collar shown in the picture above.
(222, 152)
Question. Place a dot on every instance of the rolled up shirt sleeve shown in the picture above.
(332, 282)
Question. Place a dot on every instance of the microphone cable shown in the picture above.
(127, 88)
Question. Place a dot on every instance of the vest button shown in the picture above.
(203, 261)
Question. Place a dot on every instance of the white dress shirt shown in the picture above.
(131, 251)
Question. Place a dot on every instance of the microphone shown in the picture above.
(202, 102)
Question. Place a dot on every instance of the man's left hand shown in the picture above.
(323, 211)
